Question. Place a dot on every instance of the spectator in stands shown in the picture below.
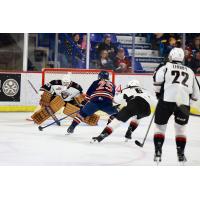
(170, 44)
(196, 46)
(121, 63)
(188, 56)
(195, 62)
(74, 53)
(76, 39)
(105, 62)
(107, 45)
(84, 43)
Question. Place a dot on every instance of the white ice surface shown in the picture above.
(22, 144)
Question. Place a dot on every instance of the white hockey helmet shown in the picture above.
(66, 80)
(134, 83)
(176, 54)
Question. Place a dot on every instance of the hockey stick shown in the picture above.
(47, 108)
(33, 87)
(142, 144)
(59, 120)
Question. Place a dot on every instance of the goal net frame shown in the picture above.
(75, 71)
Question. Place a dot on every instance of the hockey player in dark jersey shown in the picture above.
(98, 97)
(137, 107)
(65, 88)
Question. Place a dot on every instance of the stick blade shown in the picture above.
(138, 143)
(40, 128)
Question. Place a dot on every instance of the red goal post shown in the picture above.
(84, 77)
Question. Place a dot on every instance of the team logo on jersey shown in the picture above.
(10, 87)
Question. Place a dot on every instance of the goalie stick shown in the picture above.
(59, 120)
(47, 108)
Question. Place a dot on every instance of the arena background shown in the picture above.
(129, 55)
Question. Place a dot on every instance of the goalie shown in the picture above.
(65, 88)
(55, 95)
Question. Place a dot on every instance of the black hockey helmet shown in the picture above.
(103, 75)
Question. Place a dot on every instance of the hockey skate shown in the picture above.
(99, 138)
(70, 130)
(181, 157)
(158, 154)
(128, 134)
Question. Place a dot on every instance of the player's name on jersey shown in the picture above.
(180, 67)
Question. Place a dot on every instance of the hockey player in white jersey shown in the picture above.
(55, 95)
(64, 87)
(137, 106)
(174, 85)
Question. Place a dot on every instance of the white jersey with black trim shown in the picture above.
(176, 83)
(67, 93)
(130, 93)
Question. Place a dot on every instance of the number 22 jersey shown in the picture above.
(176, 83)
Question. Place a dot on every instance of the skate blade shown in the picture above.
(68, 133)
(126, 140)
(182, 163)
(157, 160)
(93, 141)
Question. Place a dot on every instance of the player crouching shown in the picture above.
(137, 107)
(99, 96)
(55, 95)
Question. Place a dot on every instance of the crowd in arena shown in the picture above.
(106, 51)
(111, 57)
(108, 56)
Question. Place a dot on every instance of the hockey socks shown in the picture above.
(108, 130)
(105, 133)
(133, 125)
(158, 143)
(77, 120)
(180, 145)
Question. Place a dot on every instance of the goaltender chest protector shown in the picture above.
(58, 89)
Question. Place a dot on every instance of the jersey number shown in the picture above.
(105, 85)
(177, 74)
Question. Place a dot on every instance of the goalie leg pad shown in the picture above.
(45, 98)
(40, 116)
(69, 109)
(79, 98)
(90, 120)
(56, 104)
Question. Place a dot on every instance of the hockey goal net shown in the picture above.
(83, 77)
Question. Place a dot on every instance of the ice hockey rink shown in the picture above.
(21, 143)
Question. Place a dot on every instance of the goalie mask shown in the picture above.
(176, 54)
(66, 80)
